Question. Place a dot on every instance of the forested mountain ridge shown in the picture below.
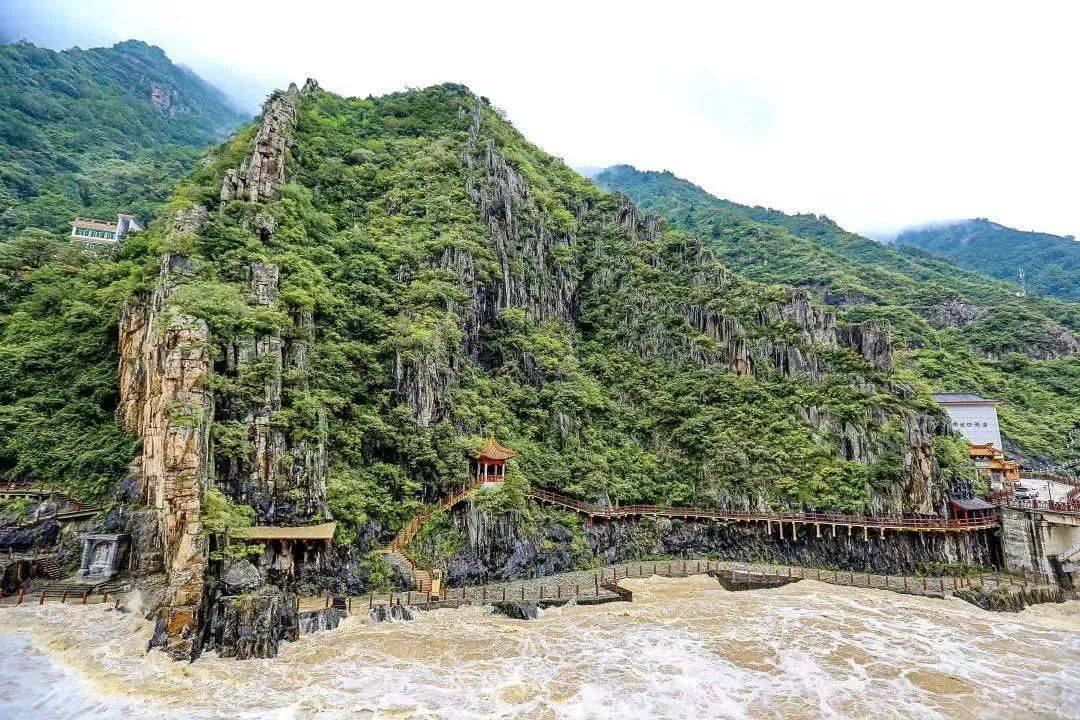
(1050, 263)
(370, 286)
(961, 330)
(93, 132)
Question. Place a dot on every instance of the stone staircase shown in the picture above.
(396, 547)
(50, 567)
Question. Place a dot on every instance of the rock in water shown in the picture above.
(320, 620)
(517, 610)
(254, 624)
(390, 613)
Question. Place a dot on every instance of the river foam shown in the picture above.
(685, 648)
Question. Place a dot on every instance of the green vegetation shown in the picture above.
(865, 280)
(80, 134)
(96, 132)
(570, 337)
(617, 397)
(1051, 263)
(221, 517)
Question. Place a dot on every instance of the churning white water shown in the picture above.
(684, 649)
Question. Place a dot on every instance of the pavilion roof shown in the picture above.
(494, 450)
(971, 504)
(325, 531)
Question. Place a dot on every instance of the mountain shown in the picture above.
(410, 275)
(1050, 263)
(91, 133)
(94, 132)
(958, 330)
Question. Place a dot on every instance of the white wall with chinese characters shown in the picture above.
(977, 422)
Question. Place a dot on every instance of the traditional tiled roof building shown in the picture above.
(489, 464)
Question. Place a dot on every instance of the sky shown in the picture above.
(880, 115)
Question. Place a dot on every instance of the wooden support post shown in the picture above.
(349, 606)
(86, 594)
(817, 529)
(558, 592)
(504, 593)
(577, 590)
(781, 526)
(834, 530)
(924, 584)
(794, 530)
(22, 591)
(63, 597)
(371, 601)
(905, 582)
(865, 534)
(541, 592)
(42, 600)
(105, 597)
(882, 530)
(523, 592)
(942, 579)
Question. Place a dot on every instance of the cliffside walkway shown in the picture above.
(780, 519)
(792, 521)
(603, 585)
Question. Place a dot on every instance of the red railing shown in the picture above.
(1006, 498)
(820, 518)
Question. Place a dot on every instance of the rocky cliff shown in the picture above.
(377, 283)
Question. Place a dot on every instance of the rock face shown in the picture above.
(239, 576)
(164, 361)
(513, 548)
(264, 168)
(517, 610)
(253, 625)
(953, 312)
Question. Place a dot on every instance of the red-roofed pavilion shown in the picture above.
(490, 463)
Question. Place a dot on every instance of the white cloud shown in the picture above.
(876, 115)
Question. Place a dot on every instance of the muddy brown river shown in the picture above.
(685, 648)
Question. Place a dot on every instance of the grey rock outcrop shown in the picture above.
(253, 625)
(952, 312)
(390, 613)
(239, 576)
(517, 610)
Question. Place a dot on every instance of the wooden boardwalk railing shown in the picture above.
(1006, 498)
(925, 524)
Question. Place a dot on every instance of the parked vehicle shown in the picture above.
(1023, 493)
